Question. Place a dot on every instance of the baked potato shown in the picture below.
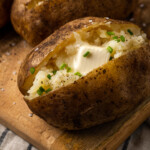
(90, 71)
(5, 7)
(142, 15)
(34, 20)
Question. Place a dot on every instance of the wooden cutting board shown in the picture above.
(15, 114)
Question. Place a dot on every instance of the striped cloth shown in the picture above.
(10, 141)
(139, 140)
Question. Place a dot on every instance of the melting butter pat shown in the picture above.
(97, 57)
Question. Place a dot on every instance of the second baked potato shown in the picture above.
(34, 20)
(88, 72)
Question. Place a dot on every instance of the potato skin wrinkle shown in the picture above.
(5, 7)
(34, 20)
(106, 93)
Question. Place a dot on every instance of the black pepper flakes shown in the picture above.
(86, 82)
(104, 71)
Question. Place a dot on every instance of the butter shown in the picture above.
(97, 57)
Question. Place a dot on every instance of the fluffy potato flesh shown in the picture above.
(85, 51)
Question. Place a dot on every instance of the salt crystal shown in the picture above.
(12, 44)
(144, 25)
(31, 114)
(40, 3)
(14, 103)
(107, 18)
(109, 22)
(14, 72)
(142, 5)
(7, 53)
(132, 19)
(90, 20)
(2, 89)
(36, 49)
(19, 62)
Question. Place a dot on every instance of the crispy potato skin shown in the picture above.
(35, 22)
(5, 7)
(142, 15)
(106, 93)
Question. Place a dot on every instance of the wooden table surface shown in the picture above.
(15, 114)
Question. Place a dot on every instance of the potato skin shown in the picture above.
(141, 15)
(5, 7)
(105, 94)
(35, 22)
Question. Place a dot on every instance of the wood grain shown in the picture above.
(15, 114)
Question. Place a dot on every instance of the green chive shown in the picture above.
(110, 58)
(110, 33)
(78, 74)
(122, 38)
(86, 54)
(68, 69)
(116, 39)
(48, 90)
(54, 72)
(49, 76)
(32, 70)
(110, 49)
(63, 66)
(130, 32)
(40, 90)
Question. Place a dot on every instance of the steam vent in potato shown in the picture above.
(90, 71)
(34, 20)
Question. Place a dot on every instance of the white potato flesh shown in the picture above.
(77, 64)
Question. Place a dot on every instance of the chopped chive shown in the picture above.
(110, 33)
(86, 54)
(32, 70)
(122, 38)
(54, 72)
(116, 39)
(48, 90)
(110, 58)
(78, 74)
(68, 69)
(40, 90)
(63, 66)
(110, 49)
(130, 32)
(49, 76)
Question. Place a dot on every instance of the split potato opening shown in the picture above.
(85, 50)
